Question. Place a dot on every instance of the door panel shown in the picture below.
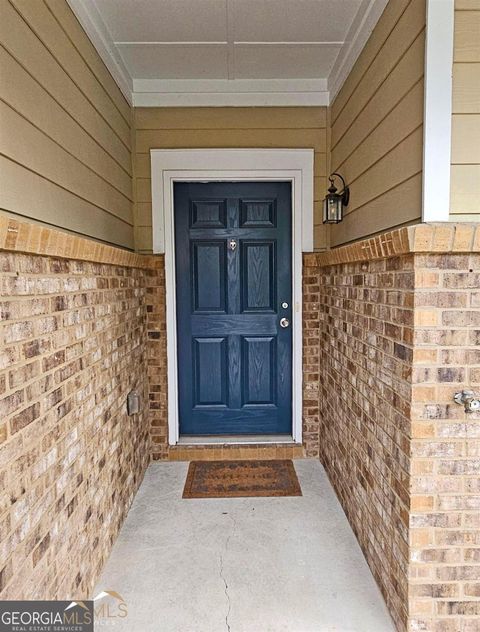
(258, 280)
(259, 366)
(208, 214)
(209, 276)
(233, 273)
(210, 370)
(258, 213)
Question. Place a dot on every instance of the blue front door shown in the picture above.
(233, 244)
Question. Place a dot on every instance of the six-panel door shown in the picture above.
(233, 255)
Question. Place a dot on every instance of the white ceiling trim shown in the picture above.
(94, 26)
(230, 99)
(224, 92)
(225, 85)
(362, 26)
(230, 40)
(223, 43)
(289, 43)
(219, 43)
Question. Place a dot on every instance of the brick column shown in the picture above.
(445, 485)
(157, 356)
(311, 349)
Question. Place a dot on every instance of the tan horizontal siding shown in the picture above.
(22, 43)
(384, 135)
(392, 13)
(173, 139)
(392, 103)
(465, 190)
(395, 167)
(407, 31)
(84, 46)
(27, 97)
(169, 128)
(466, 139)
(466, 82)
(66, 128)
(465, 168)
(467, 29)
(395, 207)
(230, 118)
(467, 5)
(53, 37)
(28, 194)
(40, 154)
(377, 126)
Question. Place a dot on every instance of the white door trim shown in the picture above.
(174, 165)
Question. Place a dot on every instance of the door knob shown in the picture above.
(284, 322)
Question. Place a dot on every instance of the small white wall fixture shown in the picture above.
(222, 165)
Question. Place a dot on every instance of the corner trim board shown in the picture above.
(437, 123)
(172, 165)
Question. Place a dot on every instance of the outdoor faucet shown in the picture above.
(467, 399)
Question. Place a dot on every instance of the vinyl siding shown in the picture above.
(170, 128)
(377, 126)
(66, 129)
(465, 170)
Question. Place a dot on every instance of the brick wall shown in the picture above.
(365, 354)
(445, 483)
(157, 357)
(399, 322)
(72, 344)
(311, 353)
(391, 331)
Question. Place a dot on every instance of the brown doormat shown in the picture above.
(229, 479)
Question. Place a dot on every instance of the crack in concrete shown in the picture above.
(226, 594)
(222, 576)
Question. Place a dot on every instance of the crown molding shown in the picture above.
(226, 92)
(98, 33)
(362, 26)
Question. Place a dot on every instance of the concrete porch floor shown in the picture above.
(241, 565)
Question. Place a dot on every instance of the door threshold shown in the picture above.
(234, 439)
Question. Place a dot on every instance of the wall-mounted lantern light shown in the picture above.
(334, 202)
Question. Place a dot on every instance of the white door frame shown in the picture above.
(207, 165)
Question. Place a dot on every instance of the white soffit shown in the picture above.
(229, 52)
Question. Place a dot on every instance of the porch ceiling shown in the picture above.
(166, 47)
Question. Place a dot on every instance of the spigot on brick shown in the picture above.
(468, 400)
